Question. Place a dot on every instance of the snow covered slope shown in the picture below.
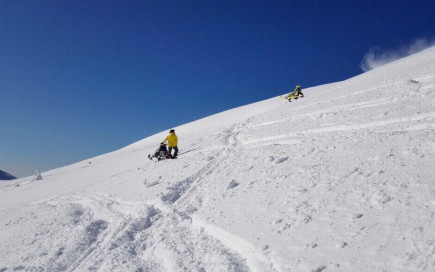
(341, 180)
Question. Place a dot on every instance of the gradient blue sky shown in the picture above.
(82, 78)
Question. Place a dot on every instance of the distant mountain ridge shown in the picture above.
(6, 176)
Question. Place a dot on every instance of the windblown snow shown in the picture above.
(341, 180)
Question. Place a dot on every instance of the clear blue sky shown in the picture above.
(82, 78)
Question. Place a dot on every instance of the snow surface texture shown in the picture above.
(341, 180)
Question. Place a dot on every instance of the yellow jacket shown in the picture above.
(172, 140)
(297, 90)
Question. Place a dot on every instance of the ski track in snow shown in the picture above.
(337, 182)
(250, 258)
(356, 126)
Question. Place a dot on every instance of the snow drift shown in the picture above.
(341, 180)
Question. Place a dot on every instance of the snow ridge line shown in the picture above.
(181, 188)
(230, 136)
(117, 225)
(184, 198)
(187, 193)
(255, 260)
(348, 127)
(388, 85)
(348, 107)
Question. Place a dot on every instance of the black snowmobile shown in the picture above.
(161, 153)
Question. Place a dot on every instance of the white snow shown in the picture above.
(341, 180)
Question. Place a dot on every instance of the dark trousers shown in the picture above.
(176, 151)
(298, 93)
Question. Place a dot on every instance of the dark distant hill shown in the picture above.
(6, 176)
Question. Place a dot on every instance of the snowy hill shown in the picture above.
(6, 176)
(341, 180)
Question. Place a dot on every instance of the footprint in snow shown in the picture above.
(319, 269)
(60, 251)
(358, 216)
(342, 245)
(232, 184)
(281, 160)
(151, 184)
(276, 222)
(313, 245)
(270, 159)
(93, 230)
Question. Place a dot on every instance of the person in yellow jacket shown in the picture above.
(294, 95)
(298, 91)
(172, 140)
(290, 96)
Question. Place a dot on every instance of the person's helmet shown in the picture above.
(172, 130)
(297, 86)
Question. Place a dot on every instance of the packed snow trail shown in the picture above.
(341, 180)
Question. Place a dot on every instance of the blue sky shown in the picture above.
(83, 78)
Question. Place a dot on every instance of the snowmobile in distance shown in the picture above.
(291, 96)
(294, 95)
(161, 153)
